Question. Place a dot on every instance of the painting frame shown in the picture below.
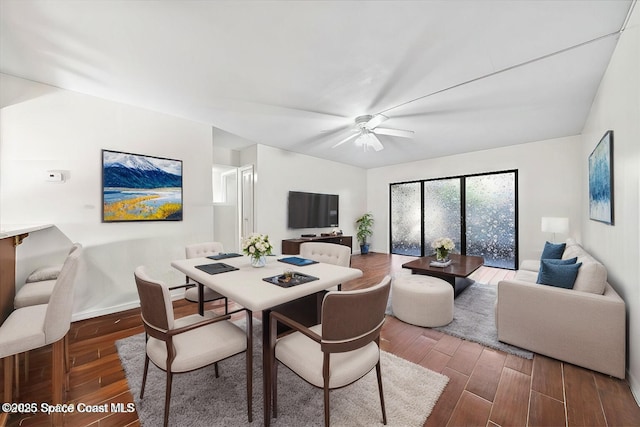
(601, 194)
(141, 187)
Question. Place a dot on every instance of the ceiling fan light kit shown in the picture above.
(366, 128)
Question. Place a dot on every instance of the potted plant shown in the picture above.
(364, 223)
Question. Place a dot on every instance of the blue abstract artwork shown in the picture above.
(601, 180)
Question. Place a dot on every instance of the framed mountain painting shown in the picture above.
(137, 187)
(601, 180)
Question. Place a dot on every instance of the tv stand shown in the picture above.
(292, 246)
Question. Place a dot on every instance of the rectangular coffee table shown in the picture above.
(455, 273)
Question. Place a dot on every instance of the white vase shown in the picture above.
(258, 262)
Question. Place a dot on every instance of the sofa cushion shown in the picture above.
(592, 276)
(559, 275)
(526, 276)
(553, 250)
(561, 261)
(573, 251)
(49, 272)
(530, 265)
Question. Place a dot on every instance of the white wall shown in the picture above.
(549, 184)
(617, 107)
(280, 171)
(45, 128)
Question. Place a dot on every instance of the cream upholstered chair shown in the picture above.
(329, 253)
(188, 343)
(37, 290)
(340, 350)
(39, 325)
(204, 250)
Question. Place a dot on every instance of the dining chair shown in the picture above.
(36, 326)
(191, 292)
(188, 343)
(36, 290)
(329, 253)
(340, 350)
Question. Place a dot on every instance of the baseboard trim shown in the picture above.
(103, 311)
(634, 385)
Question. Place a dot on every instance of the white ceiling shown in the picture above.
(464, 75)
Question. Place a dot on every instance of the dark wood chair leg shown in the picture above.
(144, 375)
(325, 375)
(384, 412)
(57, 379)
(274, 387)
(8, 376)
(200, 299)
(67, 363)
(16, 372)
(215, 366)
(326, 404)
(167, 398)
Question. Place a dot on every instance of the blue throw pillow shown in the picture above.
(561, 261)
(553, 250)
(559, 275)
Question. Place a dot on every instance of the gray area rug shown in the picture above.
(474, 319)
(200, 399)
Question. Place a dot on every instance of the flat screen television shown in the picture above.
(312, 210)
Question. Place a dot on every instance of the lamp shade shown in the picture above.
(555, 225)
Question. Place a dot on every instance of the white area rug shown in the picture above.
(200, 399)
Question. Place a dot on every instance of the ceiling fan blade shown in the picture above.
(346, 139)
(395, 132)
(375, 121)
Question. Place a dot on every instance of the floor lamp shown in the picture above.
(555, 225)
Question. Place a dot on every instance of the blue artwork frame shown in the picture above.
(601, 180)
(138, 187)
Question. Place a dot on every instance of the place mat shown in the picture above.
(287, 282)
(297, 261)
(224, 256)
(215, 268)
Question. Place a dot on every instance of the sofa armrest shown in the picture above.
(578, 327)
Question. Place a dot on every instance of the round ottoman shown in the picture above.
(422, 300)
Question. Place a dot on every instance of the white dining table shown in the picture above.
(246, 287)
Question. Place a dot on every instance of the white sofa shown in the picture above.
(585, 326)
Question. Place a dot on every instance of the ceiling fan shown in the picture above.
(366, 128)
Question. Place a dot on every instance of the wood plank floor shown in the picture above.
(486, 387)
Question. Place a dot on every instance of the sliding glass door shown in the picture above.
(406, 217)
(491, 221)
(479, 212)
(442, 212)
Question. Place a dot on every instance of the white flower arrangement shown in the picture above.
(443, 246)
(257, 245)
(443, 243)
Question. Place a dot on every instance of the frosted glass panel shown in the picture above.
(442, 212)
(405, 219)
(491, 218)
